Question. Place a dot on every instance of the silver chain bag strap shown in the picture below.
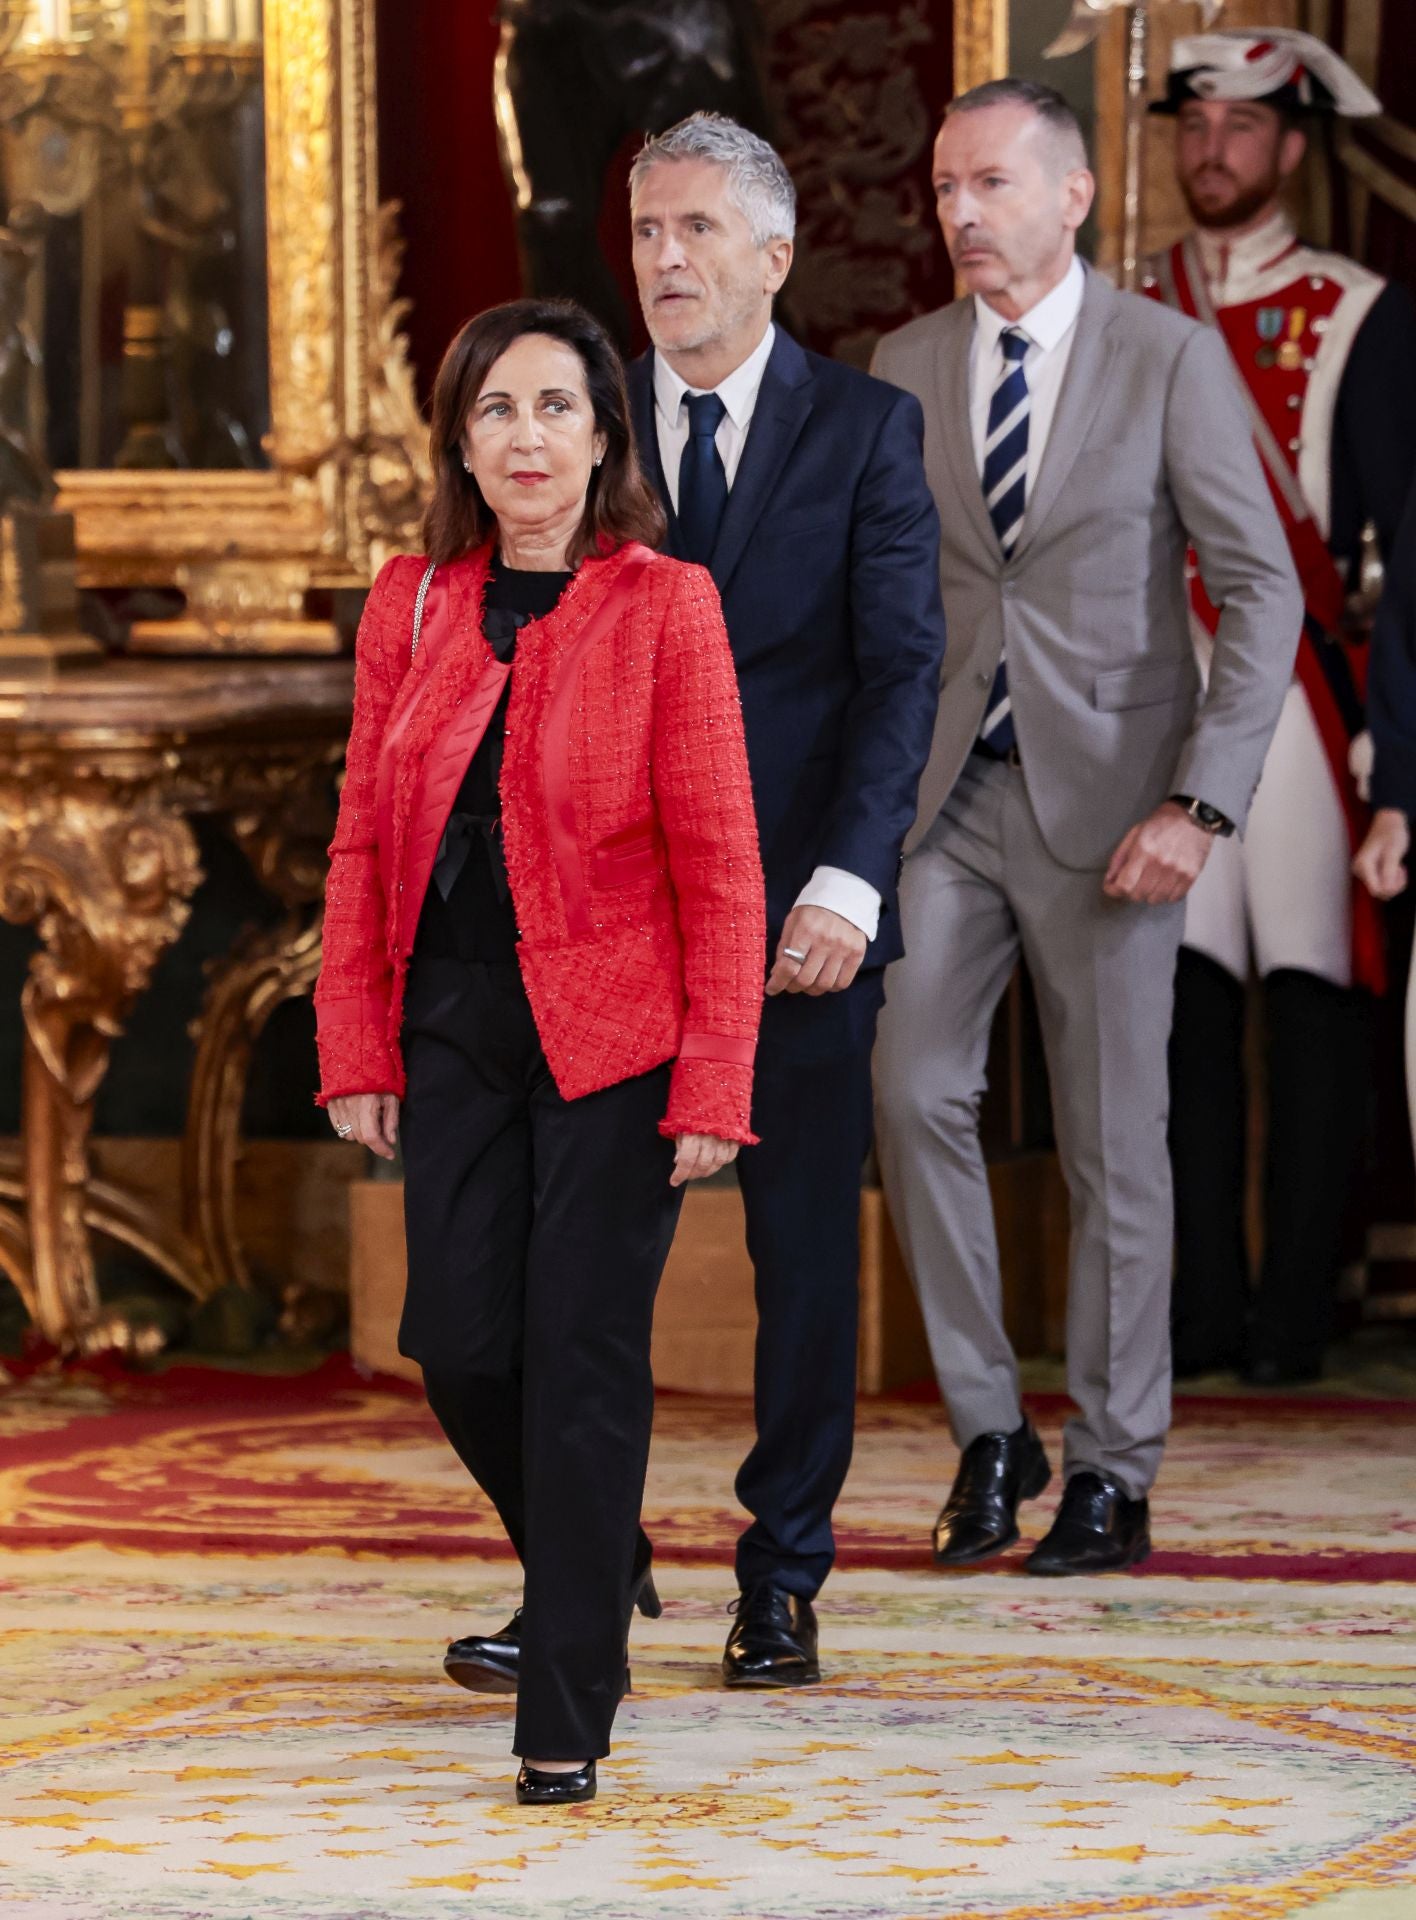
(418, 606)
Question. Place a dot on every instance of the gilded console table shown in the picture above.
(100, 771)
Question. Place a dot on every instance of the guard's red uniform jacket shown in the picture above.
(1327, 351)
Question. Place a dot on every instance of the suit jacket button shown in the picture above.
(983, 679)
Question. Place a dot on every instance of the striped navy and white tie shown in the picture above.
(1005, 488)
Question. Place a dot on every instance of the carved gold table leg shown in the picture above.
(16, 1259)
(283, 836)
(273, 967)
(108, 881)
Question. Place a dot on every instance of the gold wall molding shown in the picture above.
(980, 42)
(342, 407)
(1369, 171)
(1362, 37)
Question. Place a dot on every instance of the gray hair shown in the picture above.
(757, 179)
(1059, 122)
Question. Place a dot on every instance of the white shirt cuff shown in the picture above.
(844, 893)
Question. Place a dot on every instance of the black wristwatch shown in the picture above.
(1204, 815)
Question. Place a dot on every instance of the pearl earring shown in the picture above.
(598, 458)
(466, 464)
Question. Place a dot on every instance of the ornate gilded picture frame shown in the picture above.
(344, 448)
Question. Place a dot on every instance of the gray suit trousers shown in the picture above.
(980, 887)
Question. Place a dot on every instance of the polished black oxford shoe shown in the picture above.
(487, 1662)
(1098, 1529)
(537, 1789)
(773, 1640)
(980, 1517)
(491, 1662)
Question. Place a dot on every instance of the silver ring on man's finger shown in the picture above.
(794, 953)
(344, 1131)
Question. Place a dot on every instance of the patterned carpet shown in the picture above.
(223, 1602)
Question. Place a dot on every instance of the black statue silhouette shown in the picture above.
(574, 79)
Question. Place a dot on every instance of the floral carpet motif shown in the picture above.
(204, 1736)
(223, 1604)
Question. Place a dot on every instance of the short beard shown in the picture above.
(1240, 210)
(694, 344)
(711, 334)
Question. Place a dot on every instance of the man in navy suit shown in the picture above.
(799, 483)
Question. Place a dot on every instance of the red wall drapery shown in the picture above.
(438, 157)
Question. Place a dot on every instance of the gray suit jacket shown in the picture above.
(1149, 450)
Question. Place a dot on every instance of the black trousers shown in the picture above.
(811, 1104)
(1316, 1069)
(537, 1232)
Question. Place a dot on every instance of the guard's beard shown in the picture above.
(1239, 211)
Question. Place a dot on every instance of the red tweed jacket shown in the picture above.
(631, 844)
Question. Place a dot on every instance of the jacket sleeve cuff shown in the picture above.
(846, 894)
(355, 1058)
(1390, 792)
(1221, 787)
(710, 1096)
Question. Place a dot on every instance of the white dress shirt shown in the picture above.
(738, 394)
(1050, 327)
(829, 887)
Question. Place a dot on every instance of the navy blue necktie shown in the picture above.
(703, 484)
(1005, 488)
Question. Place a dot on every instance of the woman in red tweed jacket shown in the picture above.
(544, 965)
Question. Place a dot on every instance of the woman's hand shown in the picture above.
(371, 1119)
(1381, 859)
(698, 1155)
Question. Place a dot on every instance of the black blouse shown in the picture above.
(468, 914)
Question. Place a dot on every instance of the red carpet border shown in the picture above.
(203, 1459)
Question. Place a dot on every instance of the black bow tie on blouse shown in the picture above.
(500, 626)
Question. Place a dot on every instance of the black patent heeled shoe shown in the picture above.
(644, 1595)
(537, 1789)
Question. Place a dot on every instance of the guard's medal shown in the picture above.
(1290, 354)
(1269, 322)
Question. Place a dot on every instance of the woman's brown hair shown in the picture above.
(620, 505)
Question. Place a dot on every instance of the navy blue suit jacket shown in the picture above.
(827, 562)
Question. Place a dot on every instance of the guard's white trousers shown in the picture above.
(1283, 894)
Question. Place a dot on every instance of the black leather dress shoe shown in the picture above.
(491, 1662)
(487, 1662)
(1098, 1529)
(980, 1517)
(773, 1641)
(537, 1789)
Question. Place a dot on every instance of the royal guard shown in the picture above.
(1326, 353)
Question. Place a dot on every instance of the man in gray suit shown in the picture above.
(1077, 440)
